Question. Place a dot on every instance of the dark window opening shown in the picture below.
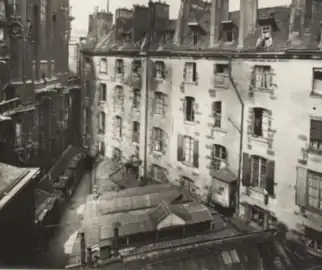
(229, 36)
(195, 37)
(216, 112)
(190, 110)
(258, 119)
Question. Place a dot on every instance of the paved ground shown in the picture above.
(60, 245)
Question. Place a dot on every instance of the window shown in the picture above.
(216, 112)
(87, 88)
(263, 77)
(119, 67)
(159, 104)
(221, 69)
(103, 66)
(136, 98)
(159, 70)
(190, 72)
(195, 37)
(314, 180)
(118, 126)
(188, 144)
(230, 256)
(188, 150)
(103, 92)
(317, 81)
(189, 109)
(219, 156)
(158, 173)
(136, 68)
(157, 139)
(119, 96)
(258, 171)
(261, 122)
(136, 132)
(117, 154)
(316, 135)
(101, 148)
(257, 215)
(228, 35)
(102, 122)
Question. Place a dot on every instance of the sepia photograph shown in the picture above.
(161, 134)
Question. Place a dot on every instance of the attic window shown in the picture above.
(228, 35)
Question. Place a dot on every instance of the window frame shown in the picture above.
(193, 78)
(119, 67)
(263, 77)
(191, 117)
(217, 113)
(159, 103)
(119, 96)
(259, 179)
(117, 126)
(218, 155)
(188, 152)
(103, 92)
(159, 70)
(101, 148)
(313, 141)
(135, 68)
(102, 120)
(136, 132)
(317, 188)
(136, 98)
(158, 173)
(228, 32)
(103, 67)
(316, 90)
(157, 139)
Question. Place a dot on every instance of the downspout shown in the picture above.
(241, 133)
(146, 116)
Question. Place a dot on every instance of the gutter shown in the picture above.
(241, 133)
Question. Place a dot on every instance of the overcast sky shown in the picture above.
(82, 8)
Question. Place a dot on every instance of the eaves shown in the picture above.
(208, 54)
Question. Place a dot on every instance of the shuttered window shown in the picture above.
(314, 182)
(263, 77)
(136, 98)
(119, 67)
(189, 109)
(316, 135)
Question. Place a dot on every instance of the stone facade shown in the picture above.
(238, 97)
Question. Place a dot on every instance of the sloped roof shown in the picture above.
(224, 174)
(9, 176)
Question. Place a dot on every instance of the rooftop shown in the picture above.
(198, 17)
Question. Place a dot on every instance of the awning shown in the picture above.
(224, 175)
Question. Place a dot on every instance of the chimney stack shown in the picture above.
(82, 248)
(301, 17)
(182, 17)
(247, 20)
(219, 13)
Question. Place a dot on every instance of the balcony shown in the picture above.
(221, 81)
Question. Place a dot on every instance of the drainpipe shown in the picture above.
(146, 116)
(241, 133)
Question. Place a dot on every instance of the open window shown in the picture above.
(261, 122)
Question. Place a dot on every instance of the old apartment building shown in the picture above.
(39, 104)
(217, 101)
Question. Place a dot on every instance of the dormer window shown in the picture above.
(195, 38)
(228, 29)
(228, 36)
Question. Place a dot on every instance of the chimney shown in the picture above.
(247, 20)
(301, 17)
(182, 20)
(140, 25)
(82, 248)
(219, 13)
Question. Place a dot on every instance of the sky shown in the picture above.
(80, 9)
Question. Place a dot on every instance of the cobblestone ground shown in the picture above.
(60, 245)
